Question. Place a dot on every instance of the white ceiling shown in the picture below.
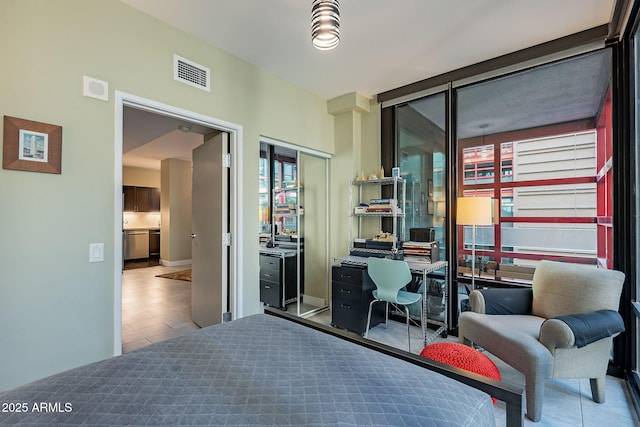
(384, 44)
(149, 138)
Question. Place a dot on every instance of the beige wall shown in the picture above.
(357, 148)
(140, 177)
(175, 212)
(371, 138)
(62, 312)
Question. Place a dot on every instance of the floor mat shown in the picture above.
(177, 275)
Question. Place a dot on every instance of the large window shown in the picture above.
(546, 198)
(421, 142)
(538, 142)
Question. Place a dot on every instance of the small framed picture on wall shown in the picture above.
(31, 146)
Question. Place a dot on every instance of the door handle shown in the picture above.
(193, 235)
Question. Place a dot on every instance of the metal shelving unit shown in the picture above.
(397, 212)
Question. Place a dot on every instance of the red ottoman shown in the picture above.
(462, 356)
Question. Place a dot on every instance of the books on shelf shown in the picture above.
(381, 205)
(382, 208)
(381, 201)
(417, 248)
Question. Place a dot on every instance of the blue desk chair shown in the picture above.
(390, 276)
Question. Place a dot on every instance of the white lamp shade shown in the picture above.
(474, 211)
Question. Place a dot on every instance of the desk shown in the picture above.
(416, 267)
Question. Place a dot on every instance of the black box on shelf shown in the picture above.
(367, 254)
(359, 244)
(422, 234)
(376, 244)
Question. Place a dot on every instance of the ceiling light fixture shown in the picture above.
(185, 128)
(325, 24)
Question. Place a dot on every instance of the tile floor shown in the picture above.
(156, 309)
(567, 403)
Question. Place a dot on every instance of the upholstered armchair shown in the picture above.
(562, 327)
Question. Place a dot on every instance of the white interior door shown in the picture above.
(209, 250)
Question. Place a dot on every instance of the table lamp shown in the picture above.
(474, 211)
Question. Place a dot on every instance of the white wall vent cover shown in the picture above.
(190, 73)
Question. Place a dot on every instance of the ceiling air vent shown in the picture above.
(189, 72)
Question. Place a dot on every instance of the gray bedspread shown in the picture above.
(259, 370)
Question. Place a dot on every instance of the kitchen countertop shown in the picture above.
(141, 228)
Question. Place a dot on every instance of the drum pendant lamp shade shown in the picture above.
(325, 24)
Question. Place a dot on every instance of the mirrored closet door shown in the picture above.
(293, 230)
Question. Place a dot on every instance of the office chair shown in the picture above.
(390, 276)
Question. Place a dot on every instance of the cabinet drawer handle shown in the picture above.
(345, 276)
(345, 305)
(267, 275)
(267, 287)
(345, 291)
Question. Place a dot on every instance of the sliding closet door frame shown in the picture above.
(326, 157)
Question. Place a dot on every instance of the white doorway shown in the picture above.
(231, 301)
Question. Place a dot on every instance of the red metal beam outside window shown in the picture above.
(498, 150)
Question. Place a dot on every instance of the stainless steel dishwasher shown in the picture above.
(136, 244)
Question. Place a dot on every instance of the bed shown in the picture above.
(266, 369)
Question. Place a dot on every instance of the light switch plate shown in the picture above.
(96, 252)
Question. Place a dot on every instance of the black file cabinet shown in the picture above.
(351, 289)
(278, 279)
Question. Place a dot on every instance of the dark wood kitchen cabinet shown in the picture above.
(148, 199)
(140, 199)
(154, 243)
(154, 199)
(129, 198)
